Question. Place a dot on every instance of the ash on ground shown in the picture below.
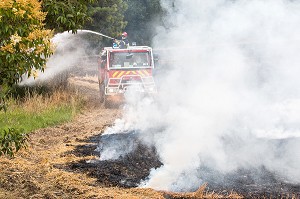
(133, 167)
(125, 170)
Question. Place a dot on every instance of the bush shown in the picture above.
(12, 140)
(24, 43)
(34, 108)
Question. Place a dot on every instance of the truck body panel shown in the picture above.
(123, 69)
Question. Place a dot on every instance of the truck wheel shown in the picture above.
(107, 102)
(102, 92)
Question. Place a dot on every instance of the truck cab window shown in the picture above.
(130, 60)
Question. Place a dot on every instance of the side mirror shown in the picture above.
(155, 57)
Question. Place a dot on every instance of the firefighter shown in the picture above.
(124, 43)
(124, 38)
(115, 43)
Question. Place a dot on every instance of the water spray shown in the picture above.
(93, 32)
(67, 56)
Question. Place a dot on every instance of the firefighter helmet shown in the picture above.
(124, 34)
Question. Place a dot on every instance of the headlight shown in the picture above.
(111, 90)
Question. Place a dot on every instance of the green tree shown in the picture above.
(24, 42)
(65, 15)
(143, 16)
(24, 48)
(108, 17)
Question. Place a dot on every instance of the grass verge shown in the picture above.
(36, 111)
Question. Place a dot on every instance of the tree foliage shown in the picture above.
(25, 43)
(24, 48)
(11, 141)
(65, 15)
(108, 17)
(137, 17)
(143, 16)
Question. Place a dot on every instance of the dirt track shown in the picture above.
(33, 172)
(41, 170)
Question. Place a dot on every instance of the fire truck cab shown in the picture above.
(124, 69)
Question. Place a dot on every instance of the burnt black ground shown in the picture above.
(130, 169)
(251, 183)
(127, 171)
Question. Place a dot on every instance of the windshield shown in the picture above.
(130, 60)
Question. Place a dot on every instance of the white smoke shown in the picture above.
(230, 96)
(69, 50)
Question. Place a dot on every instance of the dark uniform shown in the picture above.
(123, 43)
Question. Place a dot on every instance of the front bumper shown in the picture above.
(116, 86)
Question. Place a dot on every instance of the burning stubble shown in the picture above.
(229, 95)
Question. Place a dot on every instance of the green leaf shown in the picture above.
(12, 140)
(70, 16)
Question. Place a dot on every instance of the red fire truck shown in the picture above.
(126, 69)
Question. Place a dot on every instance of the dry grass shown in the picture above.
(201, 193)
(36, 110)
(36, 102)
(37, 172)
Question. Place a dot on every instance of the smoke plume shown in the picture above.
(229, 94)
(69, 51)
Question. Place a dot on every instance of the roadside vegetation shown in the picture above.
(32, 111)
(26, 46)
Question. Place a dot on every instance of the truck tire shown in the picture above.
(106, 102)
(102, 92)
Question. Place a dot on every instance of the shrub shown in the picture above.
(12, 140)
